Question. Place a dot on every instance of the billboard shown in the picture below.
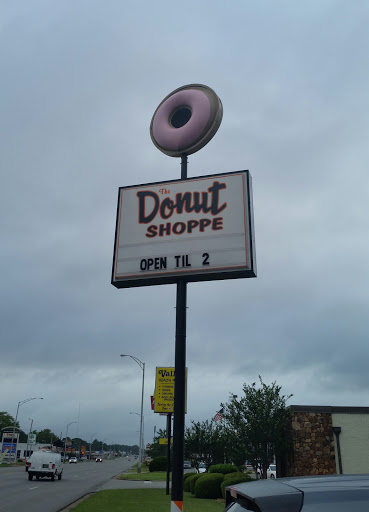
(9, 442)
(199, 229)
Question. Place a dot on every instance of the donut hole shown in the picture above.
(180, 117)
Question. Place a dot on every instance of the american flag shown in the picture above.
(219, 415)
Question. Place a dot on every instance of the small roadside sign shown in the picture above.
(164, 390)
(164, 440)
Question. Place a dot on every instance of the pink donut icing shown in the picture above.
(177, 139)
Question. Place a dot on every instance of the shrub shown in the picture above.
(186, 475)
(223, 468)
(233, 478)
(208, 486)
(193, 481)
(187, 482)
(158, 464)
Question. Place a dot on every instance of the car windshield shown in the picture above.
(202, 465)
(272, 467)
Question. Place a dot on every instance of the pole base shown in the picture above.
(176, 506)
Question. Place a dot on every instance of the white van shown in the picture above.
(45, 463)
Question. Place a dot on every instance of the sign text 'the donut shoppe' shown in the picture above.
(195, 203)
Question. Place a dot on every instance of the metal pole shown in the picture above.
(142, 366)
(91, 442)
(180, 382)
(16, 444)
(30, 428)
(65, 441)
(15, 422)
(183, 167)
(169, 435)
(141, 420)
(66, 436)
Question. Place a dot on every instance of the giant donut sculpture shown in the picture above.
(186, 120)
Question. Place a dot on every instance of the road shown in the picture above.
(18, 494)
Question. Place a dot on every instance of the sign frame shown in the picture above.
(207, 273)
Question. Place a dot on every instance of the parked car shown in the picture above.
(187, 464)
(202, 467)
(73, 460)
(248, 467)
(272, 471)
(328, 493)
(98, 459)
(45, 463)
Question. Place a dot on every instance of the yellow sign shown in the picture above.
(164, 390)
(164, 440)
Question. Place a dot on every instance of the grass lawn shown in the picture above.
(155, 476)
(11, 464)
(143, 500)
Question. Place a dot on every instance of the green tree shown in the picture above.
(6, 420)
(205, 441)
(46, 436)
(258, 423)
(96, 445)
(157, 449)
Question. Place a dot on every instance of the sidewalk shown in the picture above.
(131, 484)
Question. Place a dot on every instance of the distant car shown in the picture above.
(98, 459)
(272, 471)
(202, 468)
(73, 460)
(328, 493)
(187, 464)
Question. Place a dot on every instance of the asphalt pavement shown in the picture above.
(18, 494)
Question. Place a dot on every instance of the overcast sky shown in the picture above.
(80, 81)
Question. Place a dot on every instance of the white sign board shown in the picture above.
(197, 229)
(31, 438)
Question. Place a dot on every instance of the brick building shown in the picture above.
(328, 440)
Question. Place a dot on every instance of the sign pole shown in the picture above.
(179, 388)
(169, 437)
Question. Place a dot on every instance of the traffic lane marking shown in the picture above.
(31, 488)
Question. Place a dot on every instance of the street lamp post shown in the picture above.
(102, 447)
(143, 428)
(91, 442)
(16, 418)
(30, 429)
(142, 366)
(66, 435)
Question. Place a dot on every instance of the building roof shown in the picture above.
(329, 409)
